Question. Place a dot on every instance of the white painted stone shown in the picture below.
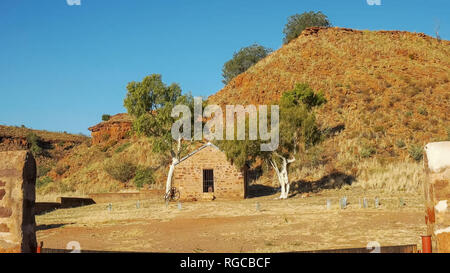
(441, 206)
(442, 230)
(438, 154)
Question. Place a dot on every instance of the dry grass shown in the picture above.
(393, 177)
(53, 137)
(86, 167)
(237, 226)
(370, 78)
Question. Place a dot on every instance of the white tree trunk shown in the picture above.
(175, 159)
(170, 174)
(282, 174)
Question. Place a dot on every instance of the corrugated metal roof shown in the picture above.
(209, 144)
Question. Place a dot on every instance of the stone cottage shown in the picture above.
(206, 174)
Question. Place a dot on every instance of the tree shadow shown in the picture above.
(333, 131)
(258, 190)
(45, 227)
(334, 180)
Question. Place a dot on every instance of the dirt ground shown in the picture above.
(260, 224)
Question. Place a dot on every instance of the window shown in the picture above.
(208, 181)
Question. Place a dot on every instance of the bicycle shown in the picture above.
(172, 195)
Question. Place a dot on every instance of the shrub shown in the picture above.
(40, 182)
(144, 176)
(298, 22)
(106, 117)
(400, 143)
(121, 171)
(416, 152)
(122, 147)
(42, 170)
(243, 60)
(60, 169)
(36, 150)
(422, 111)
(367, 151)
(380, 129)
(35, 144)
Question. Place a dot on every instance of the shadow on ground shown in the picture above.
(334, 180)
(258, 190)
(45, 227)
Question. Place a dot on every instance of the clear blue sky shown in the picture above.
(62, 67)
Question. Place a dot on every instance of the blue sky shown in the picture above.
(62, 67)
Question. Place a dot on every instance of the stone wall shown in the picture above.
(437, 194)
(126, 196)
(229, 183)
(17, 197)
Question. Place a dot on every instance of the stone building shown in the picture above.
(206, 174)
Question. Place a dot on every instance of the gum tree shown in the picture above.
(298, 22)
(297, 131)
(151, 103)
(243, 60)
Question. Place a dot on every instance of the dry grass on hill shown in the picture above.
(388, 95)
(387, 90)
(47, 136)
(83, 170)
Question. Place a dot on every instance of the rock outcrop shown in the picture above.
(116, 128)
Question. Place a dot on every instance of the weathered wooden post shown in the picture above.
(437, 194)
(17, 197)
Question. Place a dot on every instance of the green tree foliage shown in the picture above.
(416, 152)
(243, 60)
(106, 117)
(144, 176)
(42, 170)
(297, 128)
(302, 94)
(299, 22)
(42, 181)
(151, 103)
(35, 144)
(298, 131)
(120, 170)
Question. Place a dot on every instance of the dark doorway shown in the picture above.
(208, 181)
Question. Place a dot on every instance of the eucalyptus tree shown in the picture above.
(151, 103)
(298, 131)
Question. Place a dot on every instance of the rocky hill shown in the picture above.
(116, 127)
(47, 147)
(387, 91)
(388, 94)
